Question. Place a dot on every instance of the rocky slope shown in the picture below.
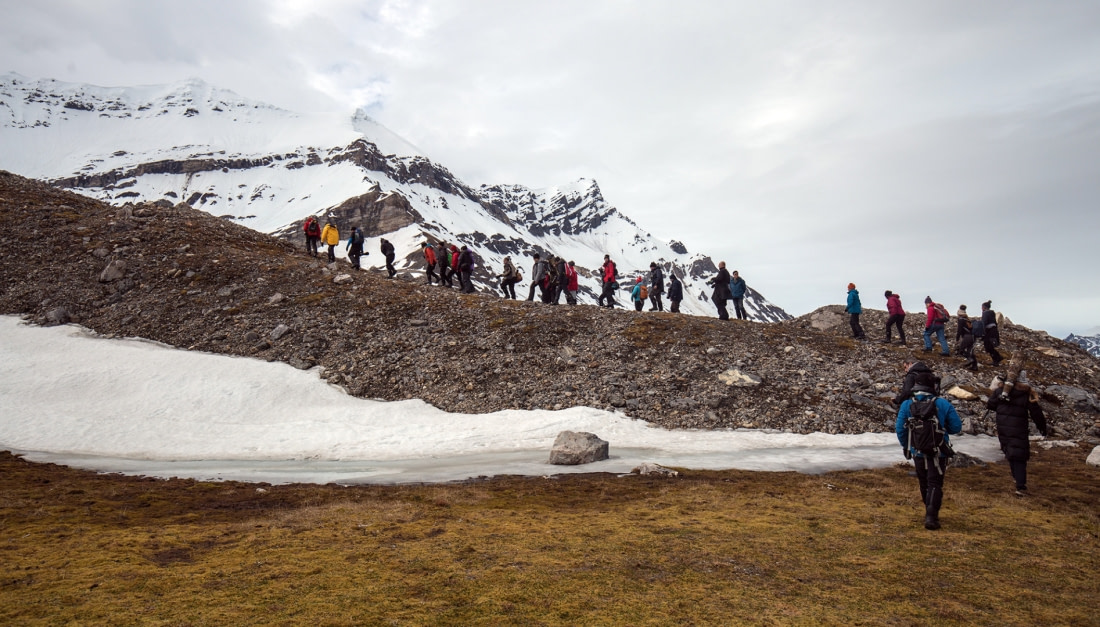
(183, 277)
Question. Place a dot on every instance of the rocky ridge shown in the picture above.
(180, 276)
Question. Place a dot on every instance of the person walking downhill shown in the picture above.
(508, 279)
(572, 283)
(964, 339)
(429, 261)
(1014, 406)
(656, 286)
(991, 335)
(935, 318)
(675, 293)
(609, 281)
(355, 247)
(330, 237)
(896, 317)
(389, 254)
(313, 235)
(737, 295)
(931, 464)
(721, 294)
(854, 309)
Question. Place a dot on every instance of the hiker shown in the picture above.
(609, 281)
(538, 273)
(313, 235)
(559, 280)
(466, 270)
(1014, 406)
(854, 308)
(737, 295)
(443, 263)
(935, 318)
(721, 283)
(331, 237)
(991, 335)
(388, 252)
(675, 293)
(429, 261)
(636, 295)
(453, 255)
(656, 286)
(918, 378)
(355, 247)
(509, 278)
(572, 281)
(964, 339)
(896, 317)
(930, 460)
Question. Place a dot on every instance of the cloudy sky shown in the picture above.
(933, 148)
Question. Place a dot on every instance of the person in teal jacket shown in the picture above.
(930, 472)
(854, 308)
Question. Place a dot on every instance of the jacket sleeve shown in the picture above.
(899, 426)
(1036, 414)
(951, 421)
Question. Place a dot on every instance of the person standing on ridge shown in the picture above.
(442, 262)
(896, 317)
(571, 283)
(508, 279)
(636, 295)
(313, 234)
(675, 293)
(964, 339)
(854, 309)
(737, 295)
(560, 283)
(610, 282)
(656, 286)
(466, 270)
(931, 465)
(389, 254)
(538, 273)
(721, 284)
(991, 335)
(935, 318)
(330, 237)
(429, 261)
(355, 247)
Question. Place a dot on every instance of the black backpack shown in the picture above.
(926, 436)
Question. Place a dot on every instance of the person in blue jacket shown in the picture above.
(854, 308)
(737, 295)
(930, 472)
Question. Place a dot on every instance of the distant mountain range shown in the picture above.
(1090, 343)
(268, 168)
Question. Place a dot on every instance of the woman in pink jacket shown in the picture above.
(897, 317)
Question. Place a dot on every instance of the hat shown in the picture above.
(961, 312)
(927, 299)
(888, 294)
(987, 304)
(851, 286)
(639, 279)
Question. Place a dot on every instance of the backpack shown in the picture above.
(941, 313)
(357, 238)
(643, 293)
(926, 381)
(926, 436)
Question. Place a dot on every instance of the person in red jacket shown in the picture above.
(609, 283)
(429, 259)
(897, 317)
(571, 283)
(313, 235)
(933, 325)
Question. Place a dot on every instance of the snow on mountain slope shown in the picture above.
(268, 168)
(1090, 341)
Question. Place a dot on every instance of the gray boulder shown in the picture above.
(1075, 398)
(577, 447)
(1094, 457)
(113, 272)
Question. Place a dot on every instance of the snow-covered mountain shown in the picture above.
(1090, 341)
(268, 168)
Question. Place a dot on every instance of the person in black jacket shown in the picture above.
(1012, 428)
(466, 270)
(388, 253)
(964, 339)
(918, 378)
(656, 286)
(991, 336)
(675, 293)
(721, 294)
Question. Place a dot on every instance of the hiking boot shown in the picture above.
(931, 522)
(1021, 490)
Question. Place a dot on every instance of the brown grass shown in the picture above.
(704, 548)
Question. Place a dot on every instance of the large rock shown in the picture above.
(825, 320)
(577, 447)
(1094, 457)
(1076, 398)
(739, 379)
(113, 272)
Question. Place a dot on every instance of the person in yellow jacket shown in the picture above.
(330, 237)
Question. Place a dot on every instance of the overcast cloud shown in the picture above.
(934, 148)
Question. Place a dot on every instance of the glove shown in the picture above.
(1004, 396)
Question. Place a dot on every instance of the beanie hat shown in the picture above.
(888, 294)
(927, 299)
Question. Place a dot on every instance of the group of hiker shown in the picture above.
(925, 421)
(968, 331)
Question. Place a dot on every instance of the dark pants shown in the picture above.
(608, 295)
(896, 320)
(443, 270)
(720, 303)
(965, 348)
(638, 304)
(1019, 472)
(655, 300)
(312, 242)
(354, 253)
(674, 306)
(991, 348)
(857, 331)
(571, 297)
(546, 292)
(389, 265)
(508, 286)
(331, 253)
(931, 478)
(739, 308)
(431, 274)
(465, 278)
